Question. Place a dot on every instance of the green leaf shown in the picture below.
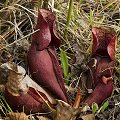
(94, 107)
(64, 61)
(105, 105)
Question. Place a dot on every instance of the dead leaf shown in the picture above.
(66, 112)
(63, 111)
(18, 116)
(88, 117)
(42, 118)
(77, 99)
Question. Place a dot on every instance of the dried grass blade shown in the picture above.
(110, 3)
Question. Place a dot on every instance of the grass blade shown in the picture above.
(101, 21)
(68, 17)
(6, 3)
(91, 17)
(40, 6)
(10, 110)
